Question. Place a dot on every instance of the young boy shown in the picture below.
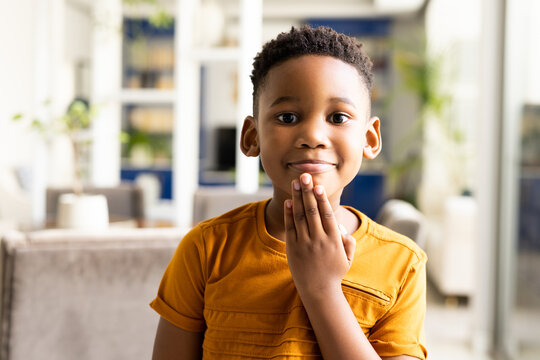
(298, 275)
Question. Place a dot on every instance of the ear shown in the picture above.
(373, 144)
(249, 138)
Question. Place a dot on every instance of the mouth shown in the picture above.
(311, 166)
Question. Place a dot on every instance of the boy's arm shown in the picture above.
(319, 257)
(173, 342)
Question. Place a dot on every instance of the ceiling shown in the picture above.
(296, 8)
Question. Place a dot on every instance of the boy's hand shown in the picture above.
(318, 252)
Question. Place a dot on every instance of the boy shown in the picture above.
(284, 278)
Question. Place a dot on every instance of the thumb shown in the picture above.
(349, 243)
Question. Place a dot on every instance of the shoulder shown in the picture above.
(224, 228)
(239, 214)
(372, 235)
(384, 236)
(235, 221)
(383, 259)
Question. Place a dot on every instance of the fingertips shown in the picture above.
(288, 204)
(288, 219)
(296, 203)
(296, 191)
(305, 179)
(320, 196)
(296, 185)
(288, 209)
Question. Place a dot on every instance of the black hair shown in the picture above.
(307, 40)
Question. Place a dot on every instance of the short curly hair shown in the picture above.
(307, 40)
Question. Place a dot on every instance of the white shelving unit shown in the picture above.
(106, 83)
(141, 96)
(218, 54)
(184, 98)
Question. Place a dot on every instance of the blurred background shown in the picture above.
(140, 101)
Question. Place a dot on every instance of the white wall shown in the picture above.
(17, 74)
(532, 56)
(34, 68)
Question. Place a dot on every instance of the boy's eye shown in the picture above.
(287, 118)
(339, 118)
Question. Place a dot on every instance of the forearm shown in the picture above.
(338, 333)
(173, 342)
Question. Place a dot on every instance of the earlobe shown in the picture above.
(249, 139)
(373, 144)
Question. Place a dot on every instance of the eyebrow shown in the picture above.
(283, 99)
(344, 100)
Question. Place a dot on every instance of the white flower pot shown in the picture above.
(84, 212)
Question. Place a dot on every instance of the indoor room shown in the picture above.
(120, 130)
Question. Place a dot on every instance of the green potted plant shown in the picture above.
(422, 75)
(444, 156)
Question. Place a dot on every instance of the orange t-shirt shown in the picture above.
(230, 279)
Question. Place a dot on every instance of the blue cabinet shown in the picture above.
(365, 193)
(164, 175)
(529, 210)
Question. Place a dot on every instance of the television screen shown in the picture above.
(225, 148)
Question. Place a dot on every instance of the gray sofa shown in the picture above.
(73, 295)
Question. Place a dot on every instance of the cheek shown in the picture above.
(269, 153)
(272, 141)
(353, 151)
(264, 163)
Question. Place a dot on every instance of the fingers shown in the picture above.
(311, 207)
(312, 213)
(327, 217)
(349, 244)
(290, 230)
(299, 214)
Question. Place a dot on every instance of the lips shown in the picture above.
(312, 166)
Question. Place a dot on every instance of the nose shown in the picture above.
(312, 133)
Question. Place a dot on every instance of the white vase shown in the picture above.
(83, 212)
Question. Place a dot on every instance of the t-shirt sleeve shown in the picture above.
(401, 330)
(180, 297)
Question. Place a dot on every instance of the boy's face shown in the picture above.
(313, 117)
